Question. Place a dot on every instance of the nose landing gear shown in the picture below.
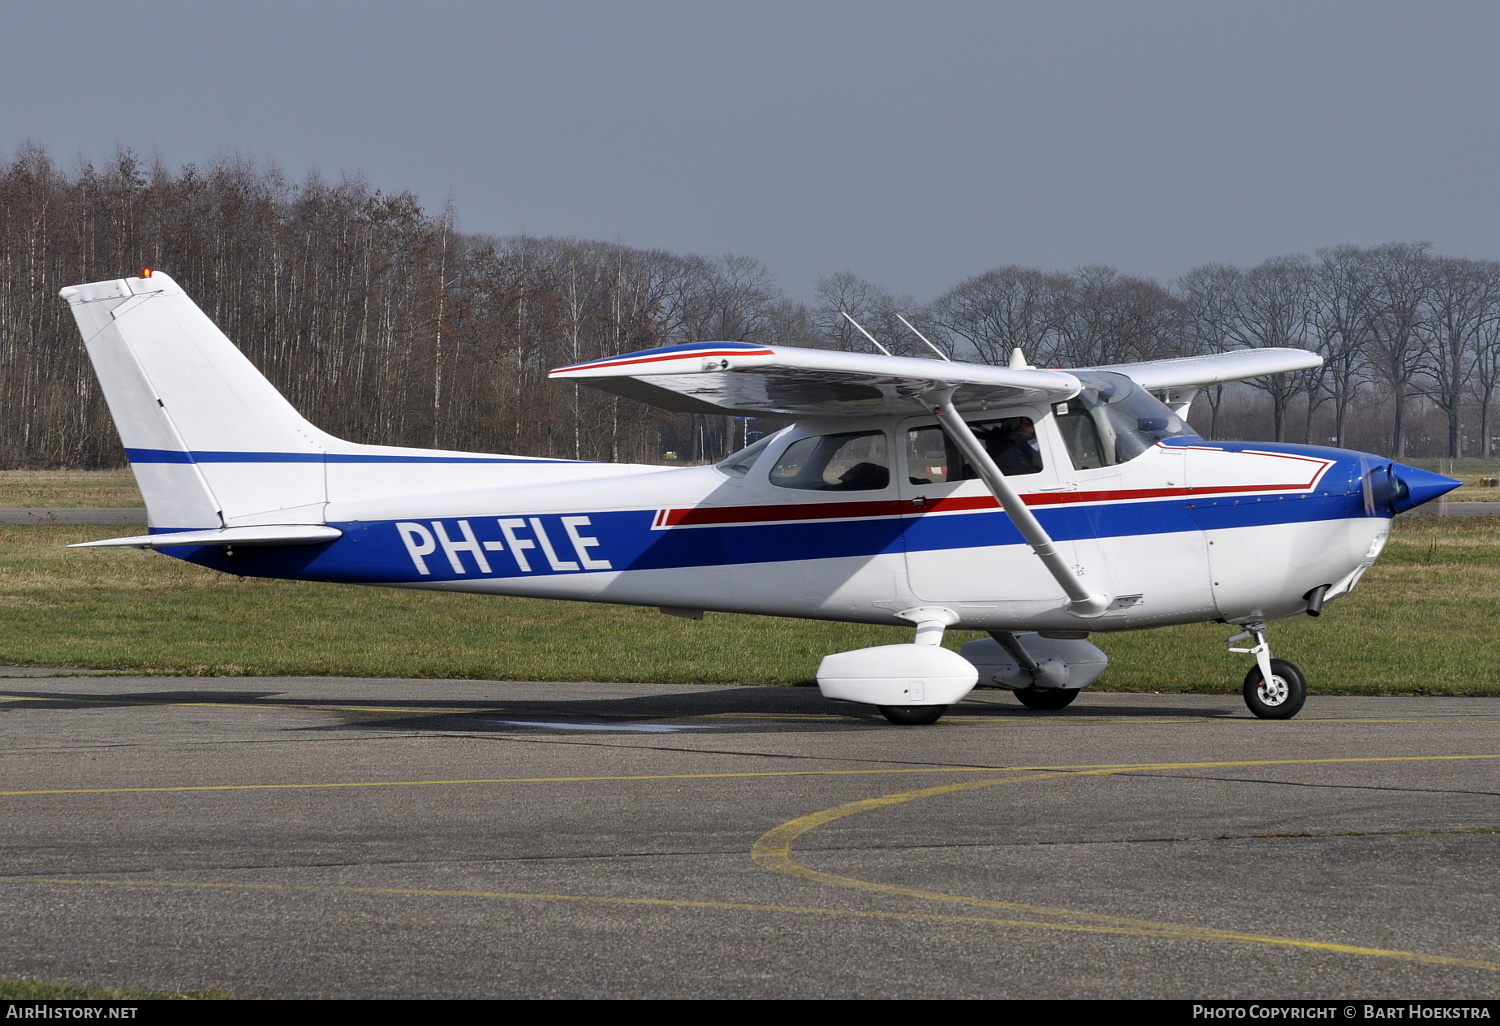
(1274, 689)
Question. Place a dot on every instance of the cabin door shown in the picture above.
(961, 549)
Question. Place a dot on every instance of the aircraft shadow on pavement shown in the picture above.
(721, 710)
(32, 701)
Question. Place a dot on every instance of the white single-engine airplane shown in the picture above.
(1038, 505)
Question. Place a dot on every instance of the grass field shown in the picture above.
(67, 489)
(1469, 471)
(1422, 622)
(47, 990)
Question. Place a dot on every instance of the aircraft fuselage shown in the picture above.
(1186, 531)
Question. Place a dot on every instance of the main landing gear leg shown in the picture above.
(1033, 697)
(1274, 689)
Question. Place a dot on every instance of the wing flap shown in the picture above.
(281, 534)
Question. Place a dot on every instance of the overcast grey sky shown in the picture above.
(911, 143)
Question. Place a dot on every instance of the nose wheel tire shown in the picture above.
(913, 715)
(1048, 699)
(1280, 698)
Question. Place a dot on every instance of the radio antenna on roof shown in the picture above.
(865, 333)
(924, 338)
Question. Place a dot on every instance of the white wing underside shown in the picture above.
(744, 378)
(737, 377)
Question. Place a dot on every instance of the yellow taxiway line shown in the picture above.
(773, 851)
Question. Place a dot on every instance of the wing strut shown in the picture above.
(1083, 602)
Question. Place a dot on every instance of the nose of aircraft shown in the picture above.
(1395, 487)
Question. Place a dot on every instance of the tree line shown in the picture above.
(1403, 333)
(383, 323)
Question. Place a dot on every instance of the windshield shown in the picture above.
(1113, 420)
(739, 464)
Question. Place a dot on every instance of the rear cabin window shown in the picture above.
(932, 458)
(853, 462)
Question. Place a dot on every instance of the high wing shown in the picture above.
(742, 377)
(1214, 368)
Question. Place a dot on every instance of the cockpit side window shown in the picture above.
(932, 458)
(1113, 420)
(851, 462)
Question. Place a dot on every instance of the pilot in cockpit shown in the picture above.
(1012, 444)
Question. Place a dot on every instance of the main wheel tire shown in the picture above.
(913, 715)
(1049, 699)
(1282, 698)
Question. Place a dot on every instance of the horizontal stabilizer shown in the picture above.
(293, 534)
(741, 377)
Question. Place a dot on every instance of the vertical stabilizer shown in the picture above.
(208, 437)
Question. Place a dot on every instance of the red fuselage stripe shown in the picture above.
(704, 515)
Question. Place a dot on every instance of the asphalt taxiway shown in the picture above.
(307, 837)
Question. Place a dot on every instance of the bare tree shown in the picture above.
(1402, 273)
(1115, 318)
(1344, 289)
(1208, 295)
(1004, 309)
(1486, 376)
(1273, 306)
(863, 300)
(1461, 298)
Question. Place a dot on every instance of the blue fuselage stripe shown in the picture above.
(206, 456)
